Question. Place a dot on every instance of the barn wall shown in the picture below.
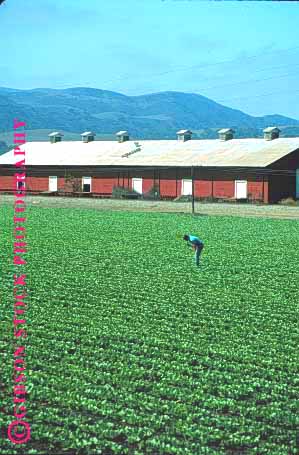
(147, 184)
(203, 188)
(222, 185)
(168, 183)
(33, 184)
(123, 180)
(266, 191)
(215, 186)
(103, 185)
(207, 183)
(168, 188)
(37, 184)
(255, 190)
(178, 188)
(61, 184)
(147, 179)
(224, 188)
(6, 182)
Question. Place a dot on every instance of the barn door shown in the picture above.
(241, 189)
(186, 187)
(137, 185)
(52, 183)
(297, 183)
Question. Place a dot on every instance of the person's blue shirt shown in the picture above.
(195, 240)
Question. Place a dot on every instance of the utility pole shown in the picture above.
(192, 177)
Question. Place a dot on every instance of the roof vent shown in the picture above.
(122, 136)
(226, 134)
(55, 137)
(270, 133)
(88, 136)
(184, 135)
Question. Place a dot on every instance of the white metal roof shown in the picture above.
(184, 132)
(270, 129)
(226, 130)
(55, 133)
(88, 133)
(122, 133)
(208, 152)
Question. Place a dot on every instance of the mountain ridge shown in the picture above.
(154, 115)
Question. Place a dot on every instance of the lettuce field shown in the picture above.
(133, 350)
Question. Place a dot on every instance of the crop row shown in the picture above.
(131, 349)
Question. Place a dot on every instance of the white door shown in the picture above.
(186, 187)
(297, 183)
(137, 185)
(241, 189)
(52, 183)
(86, 184)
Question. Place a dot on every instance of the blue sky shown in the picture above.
(242, 54)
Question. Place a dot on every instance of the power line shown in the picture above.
(232, 84)
(258, 96)
(186, 68)
(273, 68)
(256, 80)
(251, 80)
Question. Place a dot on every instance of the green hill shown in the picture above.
(157, 115)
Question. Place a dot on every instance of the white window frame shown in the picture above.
(21, 185)
(139, 181)
(51, 181)
(246, 187)
(86, 181)
(184, 182)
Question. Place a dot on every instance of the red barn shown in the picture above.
(264, 169)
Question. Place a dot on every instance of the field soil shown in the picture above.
(227, 209)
